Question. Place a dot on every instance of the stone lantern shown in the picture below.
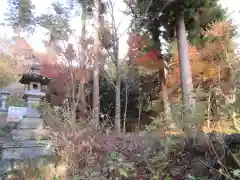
(33, 82)
(4, 96)
(30, 144)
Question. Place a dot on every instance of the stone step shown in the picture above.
(7, 165)
(31, 123)
(27, 143)
(26, 153)
(8, 124)
(30, 134)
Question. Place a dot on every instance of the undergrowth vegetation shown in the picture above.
(84, 152)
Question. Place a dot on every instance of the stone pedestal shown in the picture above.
(29, 142)
(33, 98)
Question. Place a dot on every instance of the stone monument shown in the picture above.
(30, 139)
(4, 96)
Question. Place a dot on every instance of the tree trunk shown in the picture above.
(167, 108)
(126, 106)
(162, 78)
(186, 76)
(166, 104)
(96, 99)
(83, 37)
(118, 88)
(83, 61)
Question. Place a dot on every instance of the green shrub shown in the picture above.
(16, 100)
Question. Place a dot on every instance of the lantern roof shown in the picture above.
(34, 75)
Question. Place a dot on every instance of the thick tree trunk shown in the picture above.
(96, 99)
(186, 76)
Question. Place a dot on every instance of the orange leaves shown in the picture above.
(207, 61)
(201, 70)
(218, 29)
(220, 42)
(196, 64)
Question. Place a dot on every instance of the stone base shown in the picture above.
(3, 111)
(19, 153)
(10, 165)
(30, 134)
(31, 113)
(28, 143)
(31, 123)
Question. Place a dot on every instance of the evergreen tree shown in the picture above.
(173, 20)
(58, 23)
(20, 15)
(158, 17)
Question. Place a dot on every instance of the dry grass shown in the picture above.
(206, 129)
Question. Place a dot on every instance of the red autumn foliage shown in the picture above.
(149, 56)
(136, 45)
(147, 60)
(52, 71)
(62, 80)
